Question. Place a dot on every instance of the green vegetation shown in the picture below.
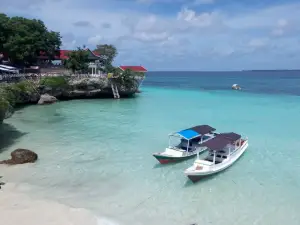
(23, 39)
(127, 78)
(12, 94)
(77, 61)
(107, 55)
(54, 82)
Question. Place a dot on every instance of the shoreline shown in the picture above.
(28, 92)
(17, 207)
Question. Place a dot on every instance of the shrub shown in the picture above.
(54, 82)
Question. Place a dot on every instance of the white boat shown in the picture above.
(224, 150)
(190, 144)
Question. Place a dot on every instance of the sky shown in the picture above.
(189, 35)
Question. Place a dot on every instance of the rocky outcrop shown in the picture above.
(87, 88)
(46, 99)
(50, 89)
(21, 156)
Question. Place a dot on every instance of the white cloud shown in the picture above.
(280, 27)
(258, 42)
(201, 20)
(218, 34)
(95, 40)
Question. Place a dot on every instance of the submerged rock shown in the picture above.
(21, 156)
(47, 99)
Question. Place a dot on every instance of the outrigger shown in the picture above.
(189, 146)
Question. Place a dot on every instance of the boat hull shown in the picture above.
(163, 159)
(196, 175)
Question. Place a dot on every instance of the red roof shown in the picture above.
(133, 68)
(95, 53)
(63, 54)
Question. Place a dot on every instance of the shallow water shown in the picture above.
(97, 154)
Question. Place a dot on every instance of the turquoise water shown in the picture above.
(97, 154)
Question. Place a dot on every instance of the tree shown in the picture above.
(107, 55)
(3, 30)
(77, 61)
(127, 78)
(24, 39)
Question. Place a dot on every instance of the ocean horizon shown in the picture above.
(96, 154)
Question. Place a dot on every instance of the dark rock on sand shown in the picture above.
(21, 156)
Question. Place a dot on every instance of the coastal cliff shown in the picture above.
(63, 88)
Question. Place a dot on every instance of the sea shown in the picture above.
(97, 154)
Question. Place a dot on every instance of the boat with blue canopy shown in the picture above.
(187, 145)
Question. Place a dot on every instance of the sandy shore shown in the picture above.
(18, 208)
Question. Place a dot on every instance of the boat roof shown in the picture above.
(195, 131)
(221, 140)
(231, 136)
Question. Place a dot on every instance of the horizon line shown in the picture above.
(261, 70)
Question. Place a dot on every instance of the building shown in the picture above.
(63, 54)
(138, 69)
(45, 61)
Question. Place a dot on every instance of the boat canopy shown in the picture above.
(195, 131)
(220, 141)
(231, 136)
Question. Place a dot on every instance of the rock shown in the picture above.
(47, 99)
(21, 156)
(236, 87)
(34, 97)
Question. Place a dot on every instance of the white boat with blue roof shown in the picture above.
(189, 145)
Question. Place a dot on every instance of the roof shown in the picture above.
(8, 69)
(63, 54)
(188, 134)
(134, 68)
(231, 136)
(221, 140)
(217, 143)
(60, 54)
(203, 129)
(196, 131)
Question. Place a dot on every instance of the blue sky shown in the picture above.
(177, 34)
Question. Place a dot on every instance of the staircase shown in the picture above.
(115, 90)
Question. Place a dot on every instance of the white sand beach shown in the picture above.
(18, 208)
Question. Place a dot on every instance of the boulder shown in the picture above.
(21, 156)
(47, 99)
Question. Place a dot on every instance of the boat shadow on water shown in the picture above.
(159, 165)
